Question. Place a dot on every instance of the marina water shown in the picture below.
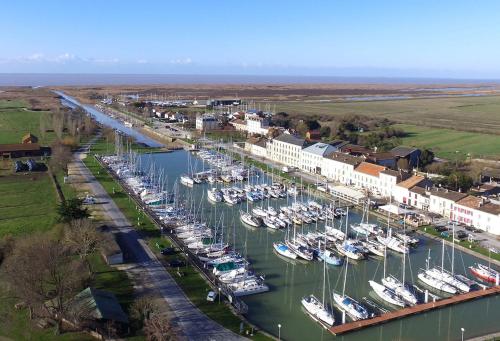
(289, 281)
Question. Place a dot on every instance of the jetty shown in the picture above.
(414, 310)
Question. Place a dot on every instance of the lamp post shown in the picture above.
(462, 330)
(219, 294)
(279, 331)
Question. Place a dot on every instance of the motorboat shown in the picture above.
(249, 286)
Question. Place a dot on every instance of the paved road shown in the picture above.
(194, 324)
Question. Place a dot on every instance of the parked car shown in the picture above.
(212, 295)
(167, 251)
(460, 235)
(176, 263)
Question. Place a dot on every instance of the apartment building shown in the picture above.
(311, 157)
(366, 175)
(340, 167)
(206, 122)
(286, 149)
(477, 212)
(442, 200)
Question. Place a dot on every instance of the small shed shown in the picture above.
(29, 138)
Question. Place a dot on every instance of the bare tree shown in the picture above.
(44, 274)
(155, 323)
(82, 237)
(58, 119)
(61, 156)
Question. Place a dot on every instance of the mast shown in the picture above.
(345, 276)
(453, 251)
(385, 260)
(442, 258)
(404, 253)
(324, 271)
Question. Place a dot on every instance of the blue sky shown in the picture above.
(439, 38)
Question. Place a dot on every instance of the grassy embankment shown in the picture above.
(192, 283)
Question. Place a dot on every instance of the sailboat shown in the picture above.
(348, 304)
(385, 293)
(317, 309)
(434, 282)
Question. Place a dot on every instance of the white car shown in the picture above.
(211, 296)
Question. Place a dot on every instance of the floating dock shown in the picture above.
(417, 309)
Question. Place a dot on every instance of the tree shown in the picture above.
(72, 209)
(82, 237)
(43, 273)
(61, 156)
(325, 131)
(155, 324)
(426, 158)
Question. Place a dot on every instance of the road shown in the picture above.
(194, 324)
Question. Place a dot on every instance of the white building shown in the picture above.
(388, 179)
(477, 212)
(206, 122)
(311, 157)
(239, 125)
(366, 175)
(442, 200)
(256, 146)
(420, 197)
(286, 149)
(340, 167)
(256, 125)
(401, 192)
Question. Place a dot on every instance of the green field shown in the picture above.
(16, 121)
(476, 114)
(446, 142)
(27, 204)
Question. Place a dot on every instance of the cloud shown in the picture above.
(181, 61)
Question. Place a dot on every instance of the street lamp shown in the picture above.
(462, 330)
(219, 294)
(279, 331)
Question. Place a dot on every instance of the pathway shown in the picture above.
(194, 324)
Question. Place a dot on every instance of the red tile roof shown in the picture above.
(369, 168)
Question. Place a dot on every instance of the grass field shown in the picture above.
(446, 142)
(476, 114)
(27, 204)
(16, 121)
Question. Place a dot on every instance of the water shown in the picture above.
(109, 121)
(290, 281)
(62, 79)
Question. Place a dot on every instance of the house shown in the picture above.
(29, 138)
(239, 125)
(256, 146)
(487, 189)
(111, 251)
(354, 149)
(340, 167)
(206, 122)
(420, 197)
(97, 310)
(256, 125)
(383, 159)
(311, 157)
(478, 213)
(490, 175)
(366, 175)
(442, 201)
(406, 156)
(22, 150)
(402, 193)
(388, 180)
(313, 135)
(286, 149)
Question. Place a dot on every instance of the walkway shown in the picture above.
(194, 324)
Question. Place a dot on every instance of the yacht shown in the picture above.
(349, 251)
(259, 212)
(318, 311)
(485, 273)
(352, 307)
(283, 250)
(187, 180)
(248, 287)
(393, 244)
(386, 294)
(215, 195)
(402, 290)
(448, 278)
(328, 257)
(436, 283)
(249, 219)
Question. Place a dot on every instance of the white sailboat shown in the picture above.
(386, 293)
(434, 282)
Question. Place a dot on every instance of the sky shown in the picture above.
(353, 38)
